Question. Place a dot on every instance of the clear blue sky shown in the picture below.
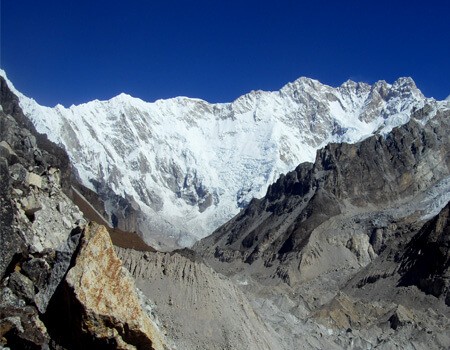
(75, 51)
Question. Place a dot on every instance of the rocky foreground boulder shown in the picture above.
(97, 301)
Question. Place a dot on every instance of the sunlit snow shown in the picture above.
(171, 155)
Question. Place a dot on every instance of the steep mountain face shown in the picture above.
(423, 262)
(348, 204)
(174, 170)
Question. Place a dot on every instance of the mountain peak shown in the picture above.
(353, 84)
(123, 96)
(306, 82)
(184, 166)
(405, 81)
(406, 87)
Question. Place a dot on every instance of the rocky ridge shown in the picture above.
(371, 188)
(43, 234)
(174, 170)
(401, 297)
(339, 238)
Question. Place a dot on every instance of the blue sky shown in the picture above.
(71, 52)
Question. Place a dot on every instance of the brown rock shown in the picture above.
(103, 290)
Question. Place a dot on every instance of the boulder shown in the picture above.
(400, 317)
(37, 270)
(22, 328)
(30, 205)
(34, 180)
(18, 173)
(7, 152)
(102, 298)
(22, 286)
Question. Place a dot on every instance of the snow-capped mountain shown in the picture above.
(176, 169)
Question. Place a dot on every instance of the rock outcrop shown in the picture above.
(425, 262)
(98, 301)
(40, 230)
(40, 226)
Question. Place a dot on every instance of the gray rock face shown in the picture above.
(425, 261)
(22, 286)
(12, 244)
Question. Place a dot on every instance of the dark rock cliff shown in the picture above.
(39, 229)
(375, 174)
(52, 153)
(425, 261)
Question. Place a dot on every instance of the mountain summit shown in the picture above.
(174, 170)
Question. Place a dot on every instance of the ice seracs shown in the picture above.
(185, 166)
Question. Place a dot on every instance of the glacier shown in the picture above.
(184, 166)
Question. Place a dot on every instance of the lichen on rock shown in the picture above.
(103, 290)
